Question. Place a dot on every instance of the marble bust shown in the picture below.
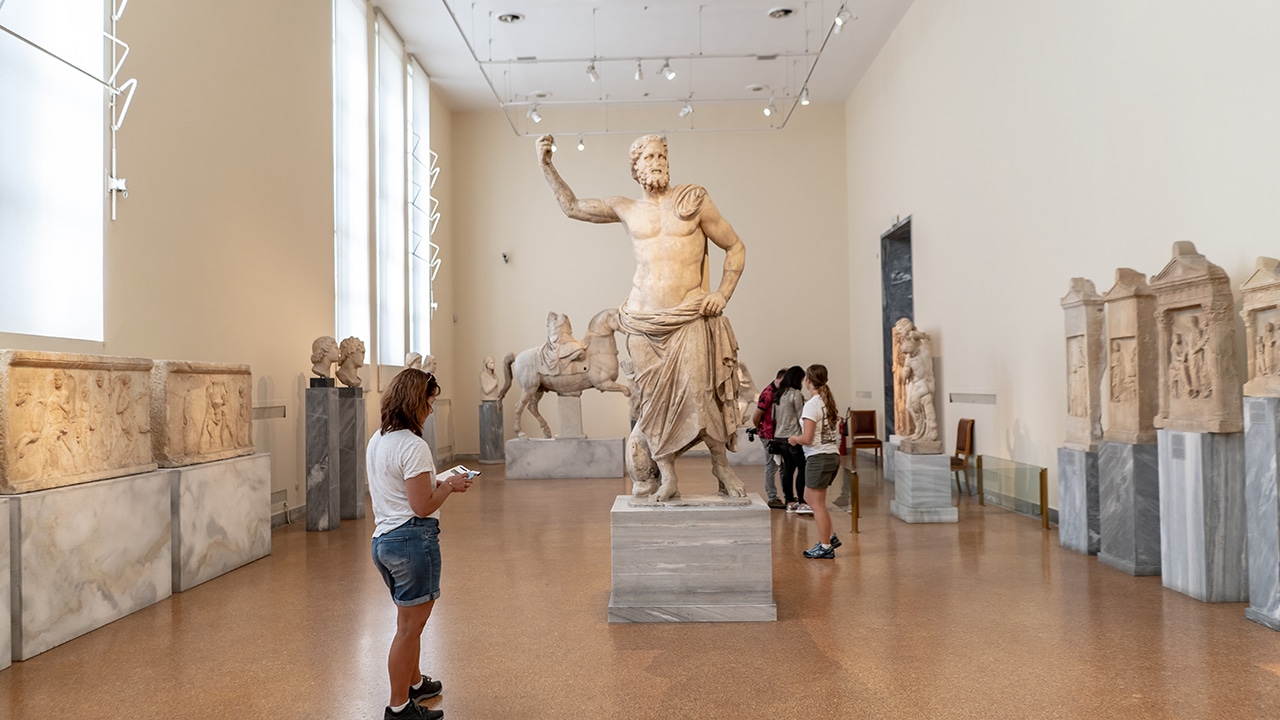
(413, 360)
(350, 360)
(324, 353)
(429, 364)
(488, 380)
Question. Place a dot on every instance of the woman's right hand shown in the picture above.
(459, 483)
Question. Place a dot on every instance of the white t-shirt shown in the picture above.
(390, 460)
(825, 439)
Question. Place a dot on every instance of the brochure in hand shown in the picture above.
(458, 470)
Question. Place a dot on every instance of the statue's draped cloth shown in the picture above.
(689, 384)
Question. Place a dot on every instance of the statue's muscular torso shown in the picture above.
(668, 252)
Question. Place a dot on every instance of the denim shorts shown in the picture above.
(408, 558)
(820, 470)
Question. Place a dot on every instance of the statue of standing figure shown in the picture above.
(917, 374)
(683, 349)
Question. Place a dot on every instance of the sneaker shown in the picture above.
(429, 689)
(413, 711)
(804, 509)
(834, 542)
(775, 503)
(817, 552)
(791, 507)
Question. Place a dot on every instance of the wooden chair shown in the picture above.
(964, 450)
(862, 434)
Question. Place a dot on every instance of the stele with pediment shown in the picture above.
(1131, 355)
(1260, 298)
(1082, 314)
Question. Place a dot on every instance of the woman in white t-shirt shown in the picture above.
(406, 509)
(820, 439)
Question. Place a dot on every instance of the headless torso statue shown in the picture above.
(682, 347)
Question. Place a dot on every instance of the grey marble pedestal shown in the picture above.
(353, 482)
(691, 563)
(324, 499)
(540, 458)
(6, 637)
(1129, 507)
(1202, 515)
(922, 489)
(221, 517)
(1261, 454)
(890, 450)
(1078, 500)
(491, 448)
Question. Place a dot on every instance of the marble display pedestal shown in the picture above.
(85, 555)
(890, 450)
(1078, 527)
(324, 499)
(429, 434)
(750, 452)
(221, 517)
(1261, 453)
(691, 562)
(353, 482)
(540, 458)
(1202, 515)
(491, 449)
(922, 489)
(6, 637)
(570, 413)
(1129, 507)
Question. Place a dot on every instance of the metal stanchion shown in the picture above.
(982, 499)
(855, 508)
(1044, 498)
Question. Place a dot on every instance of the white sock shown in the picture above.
(419, 683)
(398, 709)
(825, 546)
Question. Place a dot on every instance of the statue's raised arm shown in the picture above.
(589, 209)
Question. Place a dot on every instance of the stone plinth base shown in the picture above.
(86, 555)
(353, 483)
(750, 452)
(324, 499)
(535, 459)
(1129, 507)
(6, 637)
(1202, 515)
(922, 489)
(690, 562)
(1078, 527)
(890, 449)
(221, 518)
(491, 450)
(1261, 453)
(920, 447)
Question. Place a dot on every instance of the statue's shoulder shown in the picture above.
(688, 200)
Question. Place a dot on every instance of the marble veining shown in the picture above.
(537, 458)
(324, 501)
(1262, 447)
(1202, 515)
(87, 555)
(1078, 527)
(353, 484)
(221, 518)
(6, 637)
(492, 450)
(1129, 512)
(922, 489)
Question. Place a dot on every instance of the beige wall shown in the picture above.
(1036, 141)
(784, 193)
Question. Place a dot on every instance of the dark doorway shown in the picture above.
(896, 300)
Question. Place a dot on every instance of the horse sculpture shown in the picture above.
(601, 372)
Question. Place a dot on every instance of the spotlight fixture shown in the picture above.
(687, 110)
(779, 13)
(770, 109)
(581, 145)
(510, 18)
(533, 114)
(639, 72)
(591, 71)
(842, 19)
(804, 96)
(667, 71)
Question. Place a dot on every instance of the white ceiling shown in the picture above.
(717, 48)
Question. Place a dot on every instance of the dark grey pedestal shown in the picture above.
(1129, 499)
(323, 501)
(352, 481)
(492, 450)
(1078, 500)
(1261, 453)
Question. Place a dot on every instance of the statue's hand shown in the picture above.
(544, 148)
(713, 304)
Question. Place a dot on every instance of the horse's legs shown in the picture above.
(611, 386)
(640, 465)
(520, 406)
(667, 472)
(730, 484)
(533, 408)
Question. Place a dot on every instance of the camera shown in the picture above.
(751, 434)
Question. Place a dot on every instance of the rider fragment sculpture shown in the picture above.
(684, 351)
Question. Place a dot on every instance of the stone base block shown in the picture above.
(922, 489)
(691, 563)
(221, 518)
(353, 482)
(86, 555)
(324, 499)
(750, 452)
(890, 449)
(920, 447)
(6, 636)
(491, 449)
(1078, 527)
(535, 459)
(1129, 507)
(1202, 515)
(1261, 453)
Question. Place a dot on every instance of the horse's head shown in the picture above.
(604, 322)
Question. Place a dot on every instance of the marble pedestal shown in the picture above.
(491, 449)
(1078, 527)
(570, 412)
(922, 489)
(353, 482)
(85, 555)
(1261, 454)
(541, 458)
(221, 517)
(691, 563)
(1202, 515)
(324, 499)
(890, 450)
(6, 637)
(429, 435)
(750, 452)
(1129, 507)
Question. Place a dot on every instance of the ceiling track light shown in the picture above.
(639, 72)
(534, 115)
(591, 71)
(770, 110)
(667, 71)
(804, 96)
(687, 110)
(581, 145)
(842, 18)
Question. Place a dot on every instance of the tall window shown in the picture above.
(423, 214)
(392, 268)
(351, 168)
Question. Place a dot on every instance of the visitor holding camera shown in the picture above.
(764, 427)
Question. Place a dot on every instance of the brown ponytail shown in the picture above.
(817, 377)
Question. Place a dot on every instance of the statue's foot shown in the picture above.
(644, 488)
(667, 491)
(730, 484)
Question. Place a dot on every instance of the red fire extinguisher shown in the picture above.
(844, 431)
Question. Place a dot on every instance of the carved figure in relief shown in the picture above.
(489, 380)
(1269, 349)
(1259, 356)
(34, 430)
(350, 360)
(1201, 383)
(245, 415)
(1119, 372)
(901, 418)
(562, 354)
(917, 369)
(97, 402)
(216, 434)
(60, 413)
(324, 353)
(1077, 385)
(1179, 368)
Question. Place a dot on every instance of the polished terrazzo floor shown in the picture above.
(987, 618)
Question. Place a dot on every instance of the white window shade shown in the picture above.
(351, 169)
(392, 182)
(422, 252)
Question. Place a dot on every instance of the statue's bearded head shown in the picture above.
(649, 163)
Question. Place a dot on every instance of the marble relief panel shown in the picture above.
(1122, 364)
(1266, 343)
(201, 412)
(1191, 361)
(1077, 377)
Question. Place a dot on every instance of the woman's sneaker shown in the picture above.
(834, 542)
(791, 507)
(413, 711)
(804, 509)
(427, 690)
(819, 552)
